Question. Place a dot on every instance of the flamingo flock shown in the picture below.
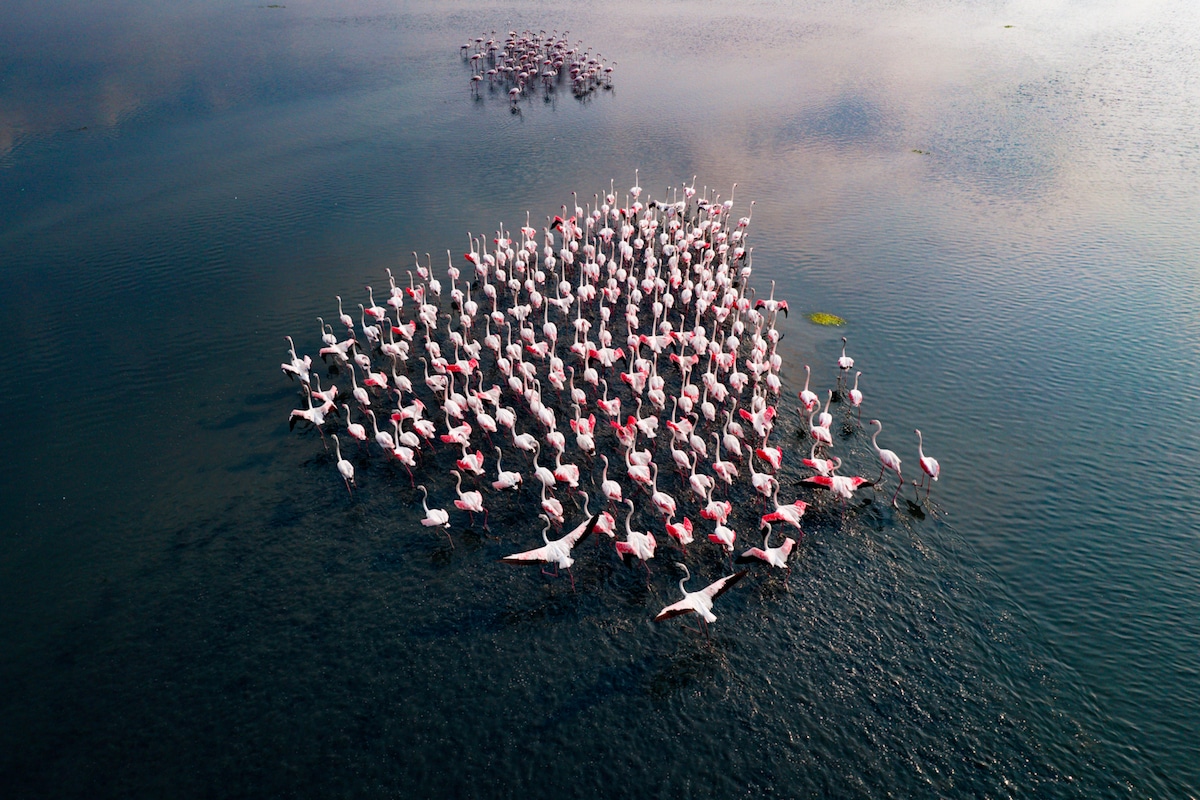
(619, 345)
(521, 62)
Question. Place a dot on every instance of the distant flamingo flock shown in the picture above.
(522, 62)
(614, 341)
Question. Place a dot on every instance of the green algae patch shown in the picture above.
(821, 318)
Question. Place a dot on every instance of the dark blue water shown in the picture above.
(191, 604)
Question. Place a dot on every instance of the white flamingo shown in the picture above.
(700, 602)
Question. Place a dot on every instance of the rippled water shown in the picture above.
(191, 604)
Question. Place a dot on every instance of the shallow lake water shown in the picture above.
(999, 199)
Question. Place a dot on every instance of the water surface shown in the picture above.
(999, 199)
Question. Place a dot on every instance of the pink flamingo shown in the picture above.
(823, 466)
(470, 502)
(681, 531)
(809, 399)
(611, 489)
(662, 501)
(929, 466)
(505, 479)
(844, 487)
(775, 556)
(790, 514)
(344, 467)
(637, 544)
(856, 397)
(434, 517)
(887, 459)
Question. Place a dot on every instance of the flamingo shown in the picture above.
(662, 501)
(345, 318)
(297, 367)
(764, 482)
(505, 479)
(772, 455)
(819, 434)
(552, 506)
(360, 394)
(637, 544)
(887, 459)
(681, 531)
(841, 485)
(726, 470)
(724, 536)
(434, 517)
(637, 472)
(825, 419)
(790, 514)
(384, 438)
(809, 399)
(543, 474)
(845, 363)
(856, 397)
(470, 502)
(607, 525)
(702, 485)
(557, 552)
(355, 429)
(566, 473)
(471, 462)
(929, 465)
(610, 489)
(344, 466)
(700, 602)
(823, 466)
(775, 556)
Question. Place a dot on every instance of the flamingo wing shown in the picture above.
(582, 532)
(539, 555)
(722, 585)
(684, 606)
(751, 554)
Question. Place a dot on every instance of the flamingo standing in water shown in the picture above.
(887, 459)
(344, 466)
(610, 488)
(700, 602)
(552, 506)
(856, 397)
(470, 502)
(929, 466)
(606, 524)
(724, 536)
(809, 399)
(434, 517)
(637, 544)
(662, 501)
(681, 531)
(505, 479)
(557, 552)
(845, 364)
